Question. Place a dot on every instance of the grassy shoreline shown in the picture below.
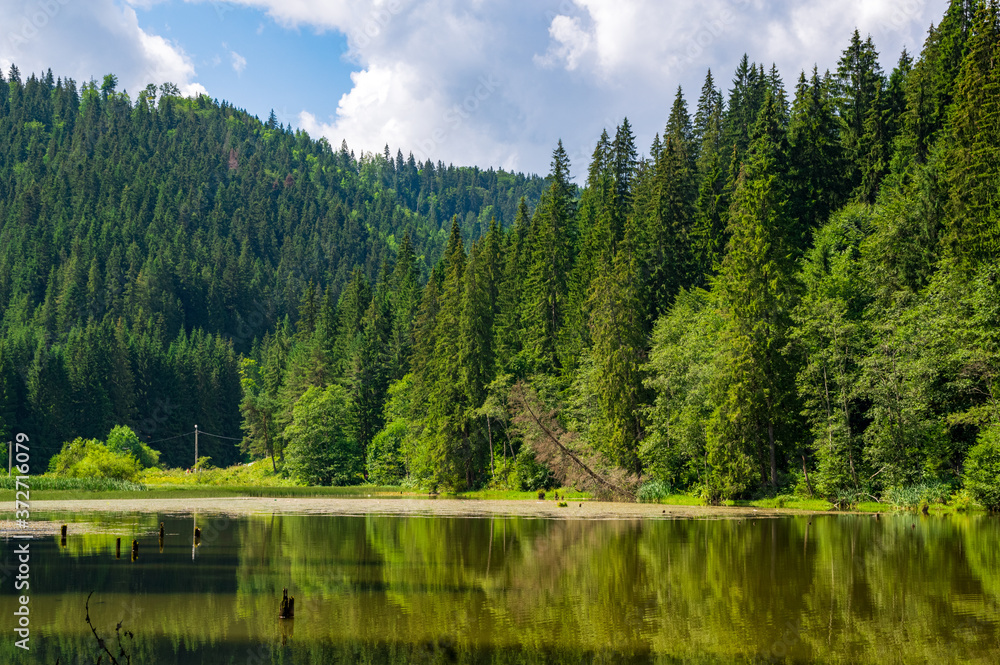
(209, 491)
(260, 481)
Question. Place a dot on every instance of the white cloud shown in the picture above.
(89, 39)
(563, 68)
(238, 61)
(571, 43)
(497, 82)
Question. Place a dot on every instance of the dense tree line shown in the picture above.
(791, 292)
(146, 243)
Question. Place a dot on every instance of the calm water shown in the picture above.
(383, 589)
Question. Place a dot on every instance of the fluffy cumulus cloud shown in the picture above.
(497, 83)
(87, 40)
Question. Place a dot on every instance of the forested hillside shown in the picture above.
(794, 291)
(146, 243)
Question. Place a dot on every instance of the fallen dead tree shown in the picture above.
(573, 464)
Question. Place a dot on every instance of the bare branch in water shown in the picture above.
(100, 641)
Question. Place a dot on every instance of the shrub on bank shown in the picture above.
(122, 457)
(653, 492)
(982, 469)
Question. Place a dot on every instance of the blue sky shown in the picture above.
(487, 82)
(242, 55)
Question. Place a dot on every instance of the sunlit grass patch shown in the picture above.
(44, 483)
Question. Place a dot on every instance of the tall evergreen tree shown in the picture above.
(617, 322)
(547, 287)
(972, 235)
(816, 162)
(757, 289)
(859, 87)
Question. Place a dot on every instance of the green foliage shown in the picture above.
(982, 469)
(86, 484)
(254, 474)
(386, 464)
(196, 230)
(919, 494)
(681, 369)
(780, 295)
(322, 448)
(123, 441)
(753, 388)
(829, 335)
(529, 475)
(89, 458)
(122, 457)
(653, 491)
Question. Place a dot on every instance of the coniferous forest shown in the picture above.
(794, 289)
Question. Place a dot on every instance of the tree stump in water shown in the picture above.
(135, 550)
(287, 608)
(118, 548)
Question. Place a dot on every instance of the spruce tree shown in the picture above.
(972, 234)
(757, 294)
(447, 431)
(550, 243)
(617, 326)
(816, 162)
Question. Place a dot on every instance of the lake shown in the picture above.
(392, 589)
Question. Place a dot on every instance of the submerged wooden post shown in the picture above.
(62, 538)
(161, 537)
(135, 550)
(287, 608)
(118, 548)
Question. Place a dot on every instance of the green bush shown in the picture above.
(529, 475)
(654, 491)
(122, 457)
(123, 440)
(982, 469)
(912, 496)
(386, 465)
(89, 458)
(322, 448)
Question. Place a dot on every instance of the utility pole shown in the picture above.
(196, 448)
(10, 455)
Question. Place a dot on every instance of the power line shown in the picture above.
(170, 438)
(219, 436)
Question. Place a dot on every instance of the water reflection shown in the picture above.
(386, 589)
